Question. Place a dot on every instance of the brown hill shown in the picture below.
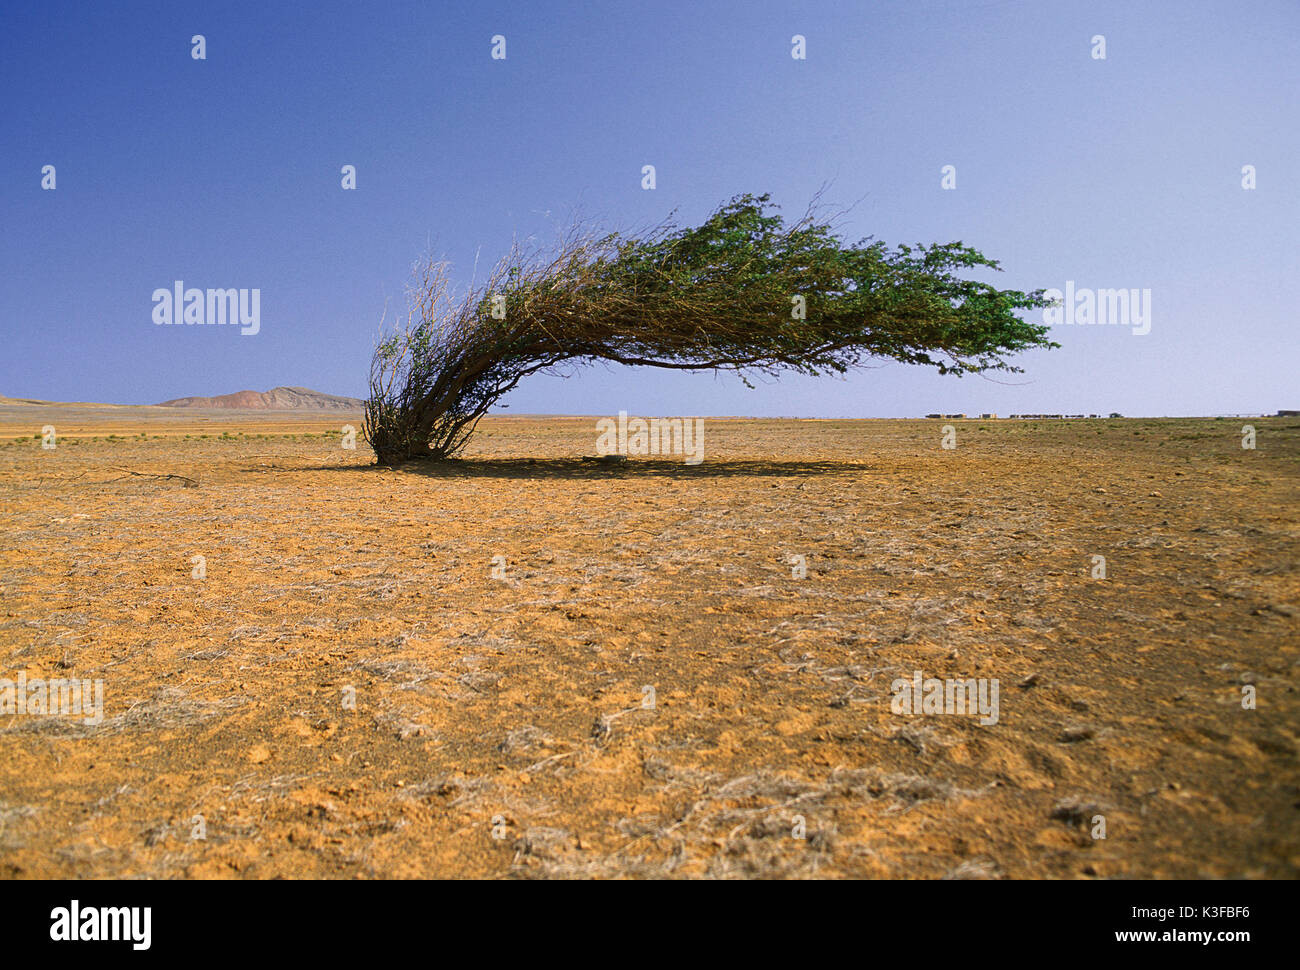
(276, 399)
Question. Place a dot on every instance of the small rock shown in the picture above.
(1078, 809)
(1073, 734)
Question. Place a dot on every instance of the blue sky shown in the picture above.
(225, 172)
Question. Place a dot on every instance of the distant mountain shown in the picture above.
(276, 399)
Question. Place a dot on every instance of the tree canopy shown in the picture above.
(743, 291)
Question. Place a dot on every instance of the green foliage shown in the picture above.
(910, 304)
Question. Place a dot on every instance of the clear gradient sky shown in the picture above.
(225, 172)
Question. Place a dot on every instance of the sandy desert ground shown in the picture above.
(501, 726)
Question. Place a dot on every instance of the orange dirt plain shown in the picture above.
(501, 726)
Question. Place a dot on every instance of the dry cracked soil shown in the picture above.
(521, 664)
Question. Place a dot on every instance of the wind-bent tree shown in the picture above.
(743, 292)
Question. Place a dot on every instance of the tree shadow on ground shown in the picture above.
(576, 468)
